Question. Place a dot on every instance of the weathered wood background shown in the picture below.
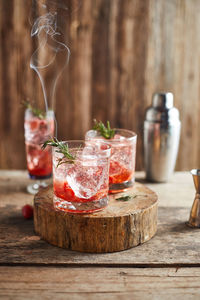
(121, 52)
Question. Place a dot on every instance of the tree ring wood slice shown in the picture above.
(120, 226)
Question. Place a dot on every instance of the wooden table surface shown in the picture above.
(166, 267)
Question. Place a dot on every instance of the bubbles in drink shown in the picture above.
(37, 131)
(86, 179)
(123, 151)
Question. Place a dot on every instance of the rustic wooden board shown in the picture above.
(174, 243)
(31, 268)
(121, 53)
(99, 283)
(120, 226)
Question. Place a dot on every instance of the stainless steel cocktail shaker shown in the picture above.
(161, 137)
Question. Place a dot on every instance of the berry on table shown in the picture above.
(27, 211)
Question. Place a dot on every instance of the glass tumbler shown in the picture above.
(122, 160)
(81, 185)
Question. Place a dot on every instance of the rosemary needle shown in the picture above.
(61, 148)
(35, 111)
(106, 132)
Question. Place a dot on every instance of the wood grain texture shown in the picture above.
(99, 283)
(120, 226)
(121, 53)
(17, 80)
(167, 267)
(174, 244)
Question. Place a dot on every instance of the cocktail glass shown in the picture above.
(39, 162)
(122, 160)
(82, 185)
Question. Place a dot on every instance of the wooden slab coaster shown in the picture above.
(121, 225)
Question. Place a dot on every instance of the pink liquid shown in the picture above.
(39, 162)
(37, 131)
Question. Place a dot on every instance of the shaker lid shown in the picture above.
(162, 109)
(163, 100)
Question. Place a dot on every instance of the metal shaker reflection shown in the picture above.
(161, 137)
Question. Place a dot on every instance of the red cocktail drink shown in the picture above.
(39, 162)
(37, 130)
(81, 185)
(122, 160)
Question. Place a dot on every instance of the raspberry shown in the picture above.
(33, 124)
(27, 211)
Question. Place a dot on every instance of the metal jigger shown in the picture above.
(194, 220)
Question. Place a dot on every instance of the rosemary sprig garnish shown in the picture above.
(35, 111)
(106, 132)
(124, 198)
(128, 197)
(62, 148)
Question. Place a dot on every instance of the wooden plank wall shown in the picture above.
(121, 52)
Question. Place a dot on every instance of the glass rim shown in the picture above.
(83, 141)
(133, 135)
(102, 152)
(48, 114)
